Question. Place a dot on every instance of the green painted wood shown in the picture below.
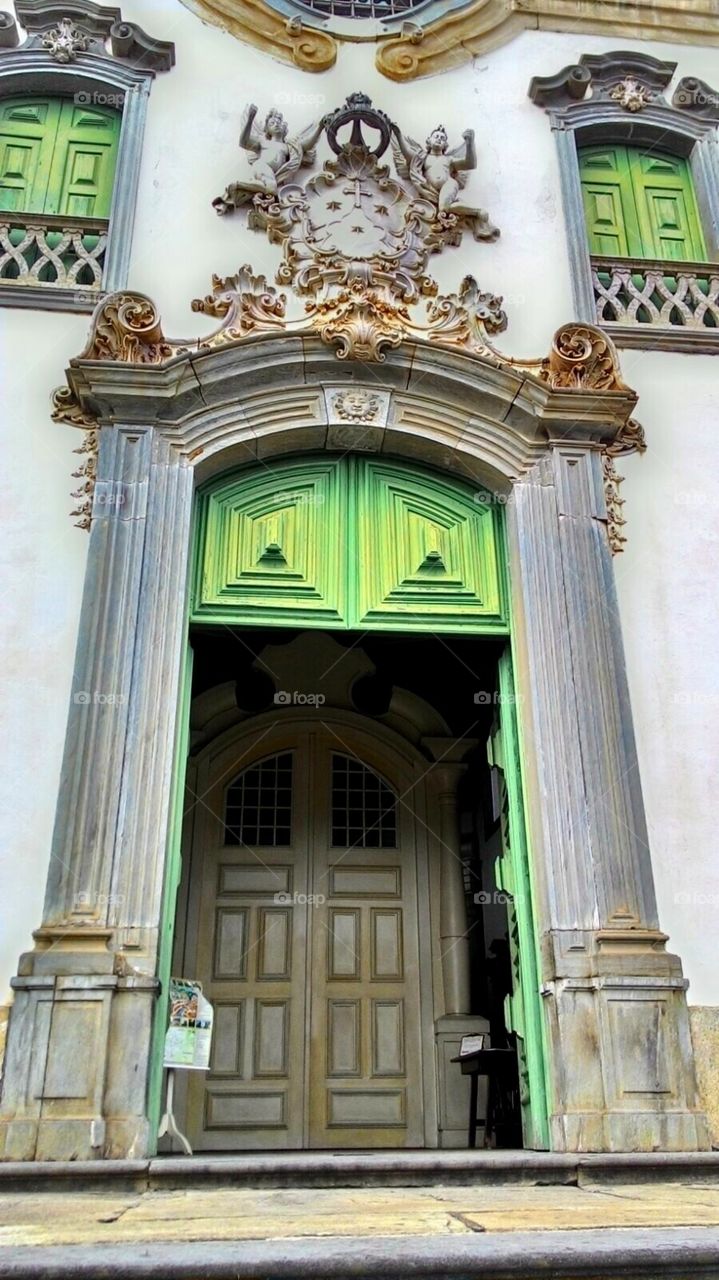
(57, 157)
(349, 543)
(173, 871)
(83, 164)
(640, 204)
(512, 873)
(28, 129)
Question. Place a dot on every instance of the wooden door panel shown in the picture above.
(251, 957)
(333, 1061)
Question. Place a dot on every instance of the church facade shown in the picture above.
(372, 684)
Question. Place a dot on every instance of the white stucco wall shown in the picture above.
(669, 607)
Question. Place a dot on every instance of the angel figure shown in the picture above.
(440, 174)
(275, 159)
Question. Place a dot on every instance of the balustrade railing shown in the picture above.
(647, 294)
(50, 250)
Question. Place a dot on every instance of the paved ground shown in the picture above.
(233, 1214)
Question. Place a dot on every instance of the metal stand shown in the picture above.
(168, 1124)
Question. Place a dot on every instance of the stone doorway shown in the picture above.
(339, 901)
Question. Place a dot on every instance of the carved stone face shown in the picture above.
(437, 142)
(275, 125)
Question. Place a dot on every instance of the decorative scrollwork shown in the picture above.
(126, 327)
(65, 41)
(361, 323)
(246, 303)
(582, 358)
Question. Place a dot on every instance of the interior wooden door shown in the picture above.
(251, 848)
(365, 1044)
(308, 949)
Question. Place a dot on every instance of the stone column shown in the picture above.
(445, 778)
(615, 1006)
(84, 997)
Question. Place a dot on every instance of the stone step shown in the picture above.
(673, 1254)
(360, 1169)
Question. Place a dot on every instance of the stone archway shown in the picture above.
(620, 1066)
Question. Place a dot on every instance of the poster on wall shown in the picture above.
(189, 1035)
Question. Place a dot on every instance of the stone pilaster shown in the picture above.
(84, 997)
(618, 1033)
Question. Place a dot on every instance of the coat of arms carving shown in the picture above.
(357, 235)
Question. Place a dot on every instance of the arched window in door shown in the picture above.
(258, 804)
(364, 807)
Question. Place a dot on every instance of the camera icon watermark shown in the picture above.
(84, 901)
(295, 698)
(495, 898)
(486, 698)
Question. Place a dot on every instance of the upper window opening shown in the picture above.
(364, 808)
(57, 170)
(640, 203)
(258, 806)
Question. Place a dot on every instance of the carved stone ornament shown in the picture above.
(65, 41)
(357, 234)
(630, 94)
(356, 404)
(355, 238)
(66, 31)
(67, 409)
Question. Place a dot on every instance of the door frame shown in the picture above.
(383, 747)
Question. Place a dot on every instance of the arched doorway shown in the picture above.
(307, 1054)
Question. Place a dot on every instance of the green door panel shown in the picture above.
(349, 542)
(427, 552)
(512, 874)
(57, 157)
(272, 546)
(28, 131)
(83, 168)
(640, 204)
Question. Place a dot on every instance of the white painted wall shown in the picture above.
(669, 606)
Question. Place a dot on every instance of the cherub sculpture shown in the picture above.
(275, 160)
(439, 175)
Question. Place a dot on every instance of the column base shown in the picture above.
(78, 1053)
(623, 1071)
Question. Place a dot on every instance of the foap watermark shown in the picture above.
(300, 899)
(99, 98)
(95, 901)
(485, 698)
(495, 898)
(298, 98)
(295, 698)
(98, 698)
(486, 498)
(303, 497)
(692, 898)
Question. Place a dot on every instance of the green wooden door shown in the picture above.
(640, 204)
(349, 542)
(57, 157)
(523, 1013)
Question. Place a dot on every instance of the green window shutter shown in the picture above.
(667, 207)
(640, 204)
(28, 132)
(83, 164)
(609, 202)
(57, 157)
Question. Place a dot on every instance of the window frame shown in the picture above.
(678, 130)
(27, 74)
